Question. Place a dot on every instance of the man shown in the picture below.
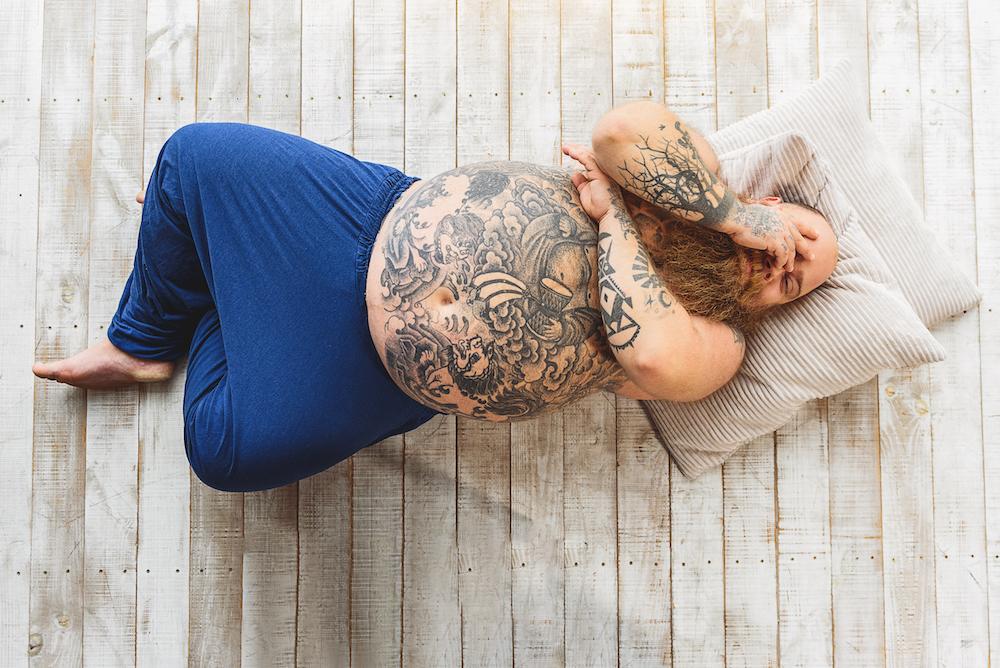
(326, 303)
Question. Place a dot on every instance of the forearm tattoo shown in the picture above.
(620, 306)
(617, 311)
(512, 248)
(670, 173)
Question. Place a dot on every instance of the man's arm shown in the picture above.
(649, 151)
(666, 352)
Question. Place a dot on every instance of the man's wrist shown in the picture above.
(728, 224)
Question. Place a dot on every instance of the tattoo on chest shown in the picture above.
(510, 244)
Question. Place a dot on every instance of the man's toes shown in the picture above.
(42, 369)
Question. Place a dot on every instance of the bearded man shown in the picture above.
(326, 303)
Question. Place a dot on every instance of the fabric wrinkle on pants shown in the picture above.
(251, 259)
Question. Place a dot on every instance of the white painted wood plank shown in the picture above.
(856, 528)
(984, 36)
(538, 575)
(904, 414)
(164, 478)
(751, 635)
(112, 453)
(751, 585)
(643, 541)
(377, 502)
(855, 501)
(643, 480)
(589, 519)
(805, 618)
(956, 427)
(539, 578)
(324, 602)
(58, 484)
(484, 548)
(431, 612)
(216, 561)
(20, 91)
(270, 560)
(484, 554)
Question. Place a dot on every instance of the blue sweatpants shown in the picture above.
(252, 257)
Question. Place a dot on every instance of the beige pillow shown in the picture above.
(832, 114)
(848, 329)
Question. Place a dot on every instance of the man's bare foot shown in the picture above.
(103, 367)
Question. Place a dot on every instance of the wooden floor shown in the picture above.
(867, 532)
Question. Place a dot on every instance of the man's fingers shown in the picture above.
(140, 196)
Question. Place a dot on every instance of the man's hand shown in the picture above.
(140, 196)
(765, 226)
(594, 185)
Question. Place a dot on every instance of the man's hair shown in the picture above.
(703, 269)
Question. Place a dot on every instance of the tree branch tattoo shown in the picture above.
(672, 175)
(508, 244)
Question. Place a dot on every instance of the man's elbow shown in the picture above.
(669, 380)
(620, 123)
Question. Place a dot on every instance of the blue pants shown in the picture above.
(252, 257)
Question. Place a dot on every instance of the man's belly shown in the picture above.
(482, 293)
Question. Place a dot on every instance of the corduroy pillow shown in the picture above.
(891, 274)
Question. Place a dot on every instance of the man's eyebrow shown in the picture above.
(808, 206)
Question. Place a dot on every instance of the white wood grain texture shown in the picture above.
(58, 484)
(590, 503)
(751, 586)
(751, 635)
(805, 619)
(432, 625)
(324, 602)
(270, 529)
(162, 580)
(377, 496)
(20, 90)
(216, 561)
(643, 472)
(856, 528)
(842, 32)
(112, 417)
(643, 541)
(855, 501)
(536, 520)
(484, 548)
(984, 50)
(956, 427)
(904, 411)
(484, 554)
(539, 578)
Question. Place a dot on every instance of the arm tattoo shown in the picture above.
(674, 177)
(656, 298)
(738, 337)
(616, 306)
(759, 220)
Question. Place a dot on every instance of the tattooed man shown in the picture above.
(325, 302)
(503, 289)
